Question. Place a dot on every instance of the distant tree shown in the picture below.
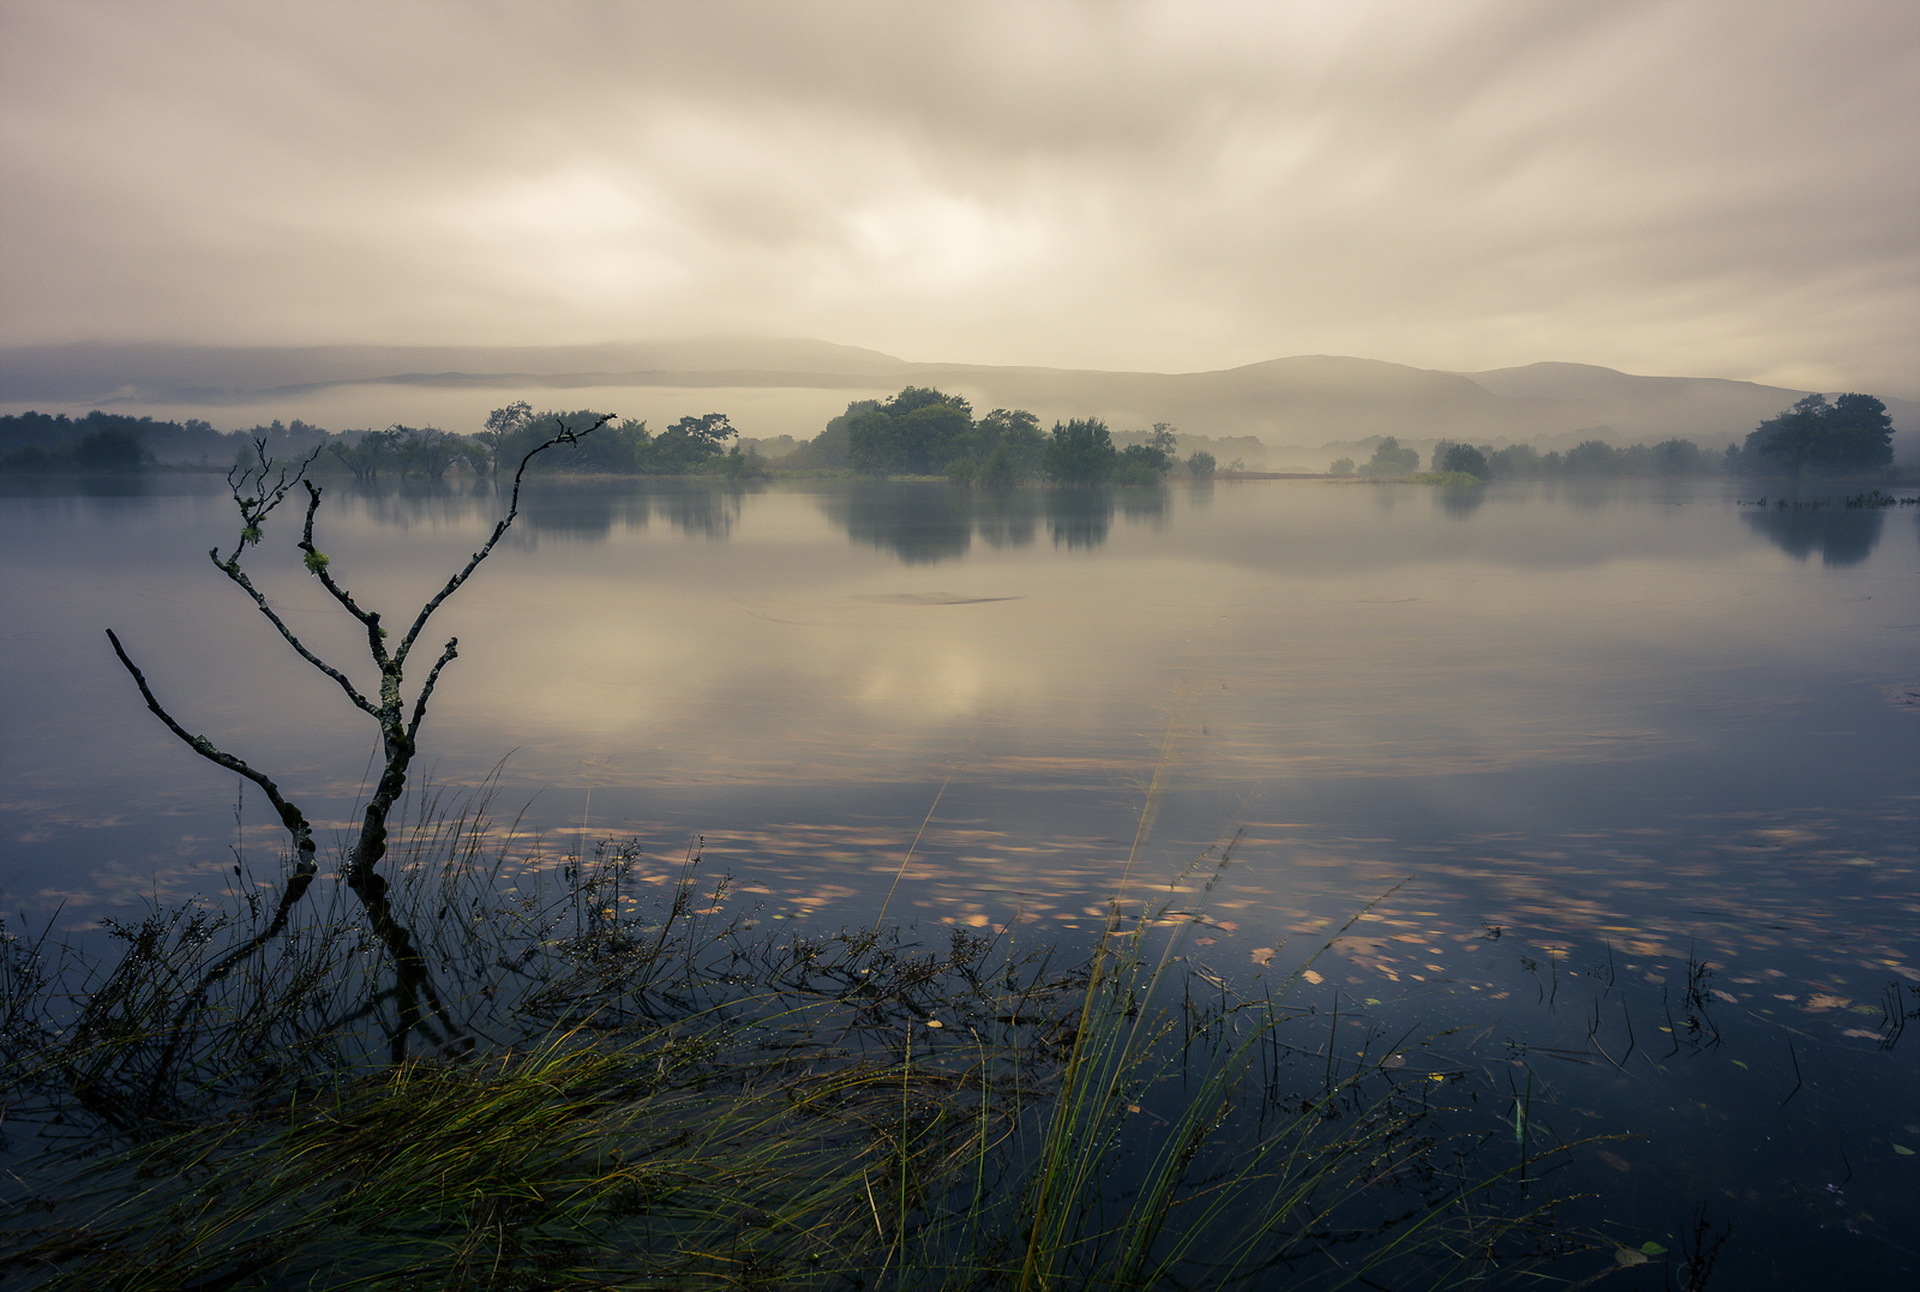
(1341, 467)
(112, 448)
(501, 424)
(1080, 452)
(1389, 459)
(1514, 460)
(688, 447)
(1164, 438)
(1853, 434)
(430, 451)
(1141, 464)
(1678, 458)
(1592, 458)
(920, 431)
(829, 450)
(1005, 447)
(1465, 458)
(365, 453)
(614, 450)
(1201, 465)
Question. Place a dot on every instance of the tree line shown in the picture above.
(100, 441)
(925, 432)
(1853, 435)
(917, 432)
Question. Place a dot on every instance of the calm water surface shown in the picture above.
(1643, 762)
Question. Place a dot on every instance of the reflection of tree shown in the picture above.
(1006, 517)
(919, 523)
(562, 510)
(922, 523)
(1842, 536)
(709, 513)
(1145, 503)
(1461, 500)
(1080, 517)
(405, 503)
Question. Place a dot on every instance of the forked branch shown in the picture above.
(257, 490)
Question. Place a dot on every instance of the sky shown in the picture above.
(1689, 189)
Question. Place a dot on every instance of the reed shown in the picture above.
(642, 1091)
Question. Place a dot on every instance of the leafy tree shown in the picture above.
(1679, 458)
(1389, 459)
(616, 450)
(112, 448)
(501, 424)
(687, 447)
(365, 454)
(829, 450)
(430, 451)
(1340, 467)
(1005, 447)
(1514, 460)
(1201, 465)
(1853, 434)
(1465, 458)
(920, 431)
(1593, 458)
(1080, 452)
(1141, 464)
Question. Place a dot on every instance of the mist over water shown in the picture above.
(1635, 765)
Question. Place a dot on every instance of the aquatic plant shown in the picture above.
(664, 1092)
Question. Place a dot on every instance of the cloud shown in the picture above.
(1704, 189)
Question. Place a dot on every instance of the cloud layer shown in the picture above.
(1708, 189)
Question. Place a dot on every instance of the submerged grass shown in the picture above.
(620, 1091)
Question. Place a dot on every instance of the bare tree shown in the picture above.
(257, 490)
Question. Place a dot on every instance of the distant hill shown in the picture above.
(1298, 406)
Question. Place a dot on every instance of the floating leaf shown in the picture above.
(1263, 955)
(1903, 1150)
(1615, 1161)
(1826, 1001)
(1394, 1061)
(1313, 977)
(1372, 1001)
(1738, 1064)
(1628, 1257)
(1652, 1248)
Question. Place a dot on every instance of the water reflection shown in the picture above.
(1842, 536)
(926, 523)
(1461, 501)
(587, 511)
(919, 523)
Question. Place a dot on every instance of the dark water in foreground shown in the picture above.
(1644, 763)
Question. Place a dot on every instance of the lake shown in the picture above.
(1619, 781)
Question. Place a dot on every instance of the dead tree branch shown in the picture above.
(257, 490)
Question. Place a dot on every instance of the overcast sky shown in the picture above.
(1698, 189)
